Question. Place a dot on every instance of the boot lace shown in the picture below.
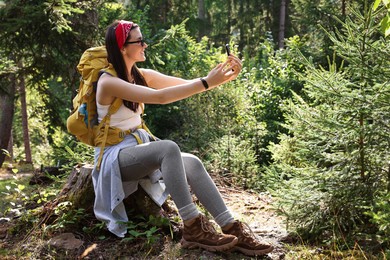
(246, 230)
(207, 226)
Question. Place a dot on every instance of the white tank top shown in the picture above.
(124, 118)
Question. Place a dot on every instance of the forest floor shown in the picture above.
(256, 209)
(253, 208)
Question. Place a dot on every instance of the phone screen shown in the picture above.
(227, 49)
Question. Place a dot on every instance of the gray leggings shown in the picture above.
(178, 170)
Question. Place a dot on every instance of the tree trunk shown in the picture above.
(10, 148)
(229, 21)
(26, 135)
(79, 191)
(202, 19)
(241, 26)
(282, 24)
(7, 109)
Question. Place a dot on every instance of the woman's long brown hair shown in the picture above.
(114, 57)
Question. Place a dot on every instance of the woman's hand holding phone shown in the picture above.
(227, 47)
(226, 71)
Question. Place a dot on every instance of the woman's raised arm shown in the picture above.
(110, 87)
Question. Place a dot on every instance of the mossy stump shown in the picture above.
(79, 191)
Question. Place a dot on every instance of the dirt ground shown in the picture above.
(250, 207)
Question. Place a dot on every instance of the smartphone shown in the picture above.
(227, 49)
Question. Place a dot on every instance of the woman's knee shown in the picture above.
(191, 159)
(193, 164)
(169, 147)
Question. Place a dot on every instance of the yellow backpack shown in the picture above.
(83, 121)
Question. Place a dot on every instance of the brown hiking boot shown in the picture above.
(202, 234)
(247, 242)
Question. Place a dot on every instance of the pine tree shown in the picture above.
(330, 169)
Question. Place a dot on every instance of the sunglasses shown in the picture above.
(140, 42)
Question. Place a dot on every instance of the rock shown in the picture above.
(66, 241)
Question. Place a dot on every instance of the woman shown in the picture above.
(125, 164)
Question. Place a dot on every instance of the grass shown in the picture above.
(7, 196)
(303, 251)
(12, 191)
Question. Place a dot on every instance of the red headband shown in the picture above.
(122, 32)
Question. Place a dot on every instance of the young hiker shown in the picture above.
(123, 165)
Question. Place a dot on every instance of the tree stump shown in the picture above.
(79, 188)
(79, 191)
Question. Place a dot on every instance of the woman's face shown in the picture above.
(135, 46)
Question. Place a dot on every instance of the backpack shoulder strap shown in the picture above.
(110, 70)
(114, 106)
(106, 124)
(117, 101)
